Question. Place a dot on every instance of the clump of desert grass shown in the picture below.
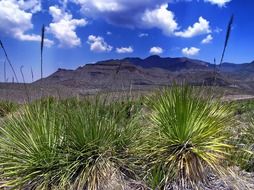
(243, 137)
(175, 140)
(184, 139)
(74, 144)
(7, 107)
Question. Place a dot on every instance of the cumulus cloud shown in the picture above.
(141, 35)
(160, 18)
(134, 14)
(64, 27)
(143, 14)
(124, 50)
(16, 20)
(208, 39)
(98, 44)
(190, 51)
(30, 5)
(200, 27)
(35, 38)
(109, 33)
(156, 50)
(220, 3)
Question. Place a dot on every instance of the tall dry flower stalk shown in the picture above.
(42, 46)
(32, 74)
(229, 28)
(24, 83)
(5, 71)
(8, 60)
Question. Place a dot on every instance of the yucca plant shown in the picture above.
(69, 144)
(185, 139)
(31, 144)
(98, 142)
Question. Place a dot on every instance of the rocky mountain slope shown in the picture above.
(135, 74)
(153, 71)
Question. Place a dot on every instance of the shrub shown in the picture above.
(99, 135)
(186, 137)
(72, 144)
(30, 147)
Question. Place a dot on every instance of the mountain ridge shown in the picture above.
(151, 72)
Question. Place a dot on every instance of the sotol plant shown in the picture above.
(186, 137)
(31, 144)
(72, 144)
(99, 135)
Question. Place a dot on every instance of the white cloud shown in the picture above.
(109, 33)
(97, 44)
(200, 27)
(64, 27)
(160, 18)
(30, 5)
(208, 39)
(220, 3)
(35, 38)
(16, 20)
(217, 30)
(124, 50)
(156, 50)
(132, 14)
(141, 35)
(190, 51)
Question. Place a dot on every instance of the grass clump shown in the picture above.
(30, 147)
(243, 155)
(7, 107)
(73, 144)
(186, 138)
(98, 135)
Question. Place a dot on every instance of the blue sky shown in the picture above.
(85, 31)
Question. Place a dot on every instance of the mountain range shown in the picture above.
(136, 74)
(150, 72)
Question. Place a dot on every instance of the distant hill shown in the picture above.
(151, 72)
(135, 74)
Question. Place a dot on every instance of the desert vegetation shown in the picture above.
(177, 138)
(173, 139)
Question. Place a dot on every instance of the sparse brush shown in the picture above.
(243, 154)
(186, 137)
(7, 107)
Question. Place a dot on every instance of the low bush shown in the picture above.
(67, 144)
(185, 139)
